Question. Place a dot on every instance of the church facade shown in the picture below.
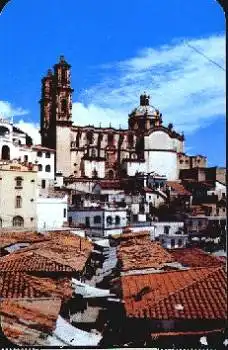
(94, 152)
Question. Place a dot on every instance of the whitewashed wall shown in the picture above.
(50, 212)
(163, 163)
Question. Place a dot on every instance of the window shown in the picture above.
(32, 180)
(93, 153)
(25, 158)
(43, 183)
(5, 153)
(64, 105)
(97, 219)
(39, 154)
(64, 212)
(0, 222)
(166, 229)
(172, 243)
(180, 243)
(47, 155)
(40, 167)
(18, 182)
(162, 241)
(109, 220)
(47, 168)
(31, 219)
(18, 202)
(89, 137)
(181, 161)
(110, 139)
(18, 221)
(117, 219)
(87, 221)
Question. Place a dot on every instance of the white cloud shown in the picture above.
(32, 129)
(7, 110)
(187, 88)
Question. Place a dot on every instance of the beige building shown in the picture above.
(18, 195)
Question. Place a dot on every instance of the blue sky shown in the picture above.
(117, 50)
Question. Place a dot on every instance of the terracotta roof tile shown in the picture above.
(195, 257)
(23, 285)
(178, 188)
(141, 253)
(29, 321)
(63, 252)
(8, 238)
(184, 294)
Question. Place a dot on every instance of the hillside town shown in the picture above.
(109, 237)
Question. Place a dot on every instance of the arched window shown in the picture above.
(172, 243)
(179, 243)
(18, 221)
(5, 152)
(40, 167)
(117, 219)
(47, 168)
(39, 154)
(47, 155)
(109, 220)
(97, 219)
(18, 202)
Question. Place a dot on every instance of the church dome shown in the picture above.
(145, 109)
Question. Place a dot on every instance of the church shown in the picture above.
(105, 152)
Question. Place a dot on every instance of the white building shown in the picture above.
(51, 212)
(170, 234)
(14, 146)
(101, 221)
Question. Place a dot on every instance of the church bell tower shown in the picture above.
(56, 102)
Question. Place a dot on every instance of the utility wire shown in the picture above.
(202, 54)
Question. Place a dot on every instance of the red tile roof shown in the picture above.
(8, 238)
(178, 188)
(184, 294)
(195, 257)
(23, 285)
(141, 253)
(24, 321)
(63, 252)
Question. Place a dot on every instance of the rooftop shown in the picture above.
(29, 321)
(178, 188)
(9, 238)
(23, 285)
(188, 294)
(140, 253)
(195, 257)
(63, 252)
